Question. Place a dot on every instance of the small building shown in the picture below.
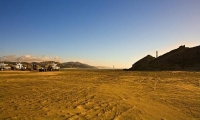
(4, 66)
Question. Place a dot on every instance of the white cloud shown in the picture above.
(81, 61)
(28, 58)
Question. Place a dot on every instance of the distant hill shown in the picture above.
(182, 58)
(75, 65)
(142, 63)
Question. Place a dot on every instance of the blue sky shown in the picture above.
(97, 32)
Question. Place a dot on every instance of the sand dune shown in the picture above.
(99, 94)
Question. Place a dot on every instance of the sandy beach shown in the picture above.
(99, 95)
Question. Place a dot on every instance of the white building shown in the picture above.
(18, 66)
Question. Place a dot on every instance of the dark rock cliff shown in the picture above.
(182, 58)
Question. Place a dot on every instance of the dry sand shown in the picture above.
(99, 94)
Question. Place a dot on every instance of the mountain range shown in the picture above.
(75, 65)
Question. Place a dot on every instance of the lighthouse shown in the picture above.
(156, 54)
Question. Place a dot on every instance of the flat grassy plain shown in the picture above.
(99, 94)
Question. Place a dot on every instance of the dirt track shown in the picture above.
(99, 94)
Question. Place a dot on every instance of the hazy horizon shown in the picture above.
(97, 32)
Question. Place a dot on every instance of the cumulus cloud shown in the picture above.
(81, 61)
(28, 58)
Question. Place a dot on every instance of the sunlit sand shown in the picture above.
(99, 94)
